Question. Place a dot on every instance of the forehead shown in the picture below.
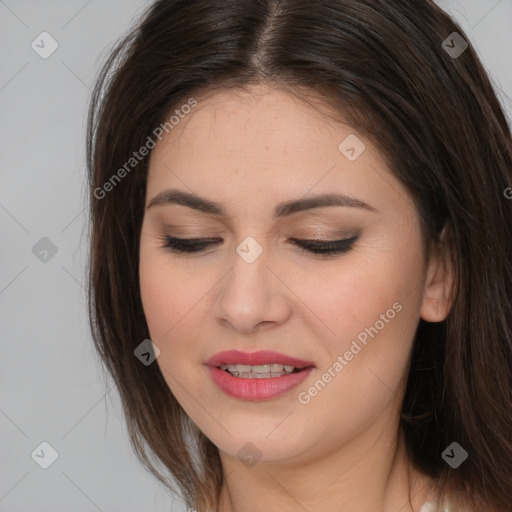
(256, 125)
(260, 114)
(258, 143)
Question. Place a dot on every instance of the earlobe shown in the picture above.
(438, 290)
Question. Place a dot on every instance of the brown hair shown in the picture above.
(383, 65)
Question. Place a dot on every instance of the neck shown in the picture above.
(371, 473)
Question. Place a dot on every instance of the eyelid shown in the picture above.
(316, 247)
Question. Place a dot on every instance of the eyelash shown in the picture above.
(318, 247)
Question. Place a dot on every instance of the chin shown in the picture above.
(256, 443)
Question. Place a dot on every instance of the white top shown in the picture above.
(429, 507)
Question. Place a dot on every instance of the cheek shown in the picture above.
(166, 302)
(349, 297)
(367, 310)
(175, 307)
(164, 297)
(364, 361)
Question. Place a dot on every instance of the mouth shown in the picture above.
(257, 365)
(260, 371)
(256, 376)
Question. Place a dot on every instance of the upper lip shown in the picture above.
(255, 358)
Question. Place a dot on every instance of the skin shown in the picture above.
(249, 151)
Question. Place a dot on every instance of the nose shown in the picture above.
(253, 295)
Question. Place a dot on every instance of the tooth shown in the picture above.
(289, 368)
(223, 366)
(253, 375)
(276, 367)
(243, 367)
(261, 368)
(232, 367)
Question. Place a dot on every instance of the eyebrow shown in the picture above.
(284, 209)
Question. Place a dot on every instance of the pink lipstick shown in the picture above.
(257, 376)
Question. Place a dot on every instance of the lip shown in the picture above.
(256, 389)
(255, 358)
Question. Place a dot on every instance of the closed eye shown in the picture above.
(318, 247)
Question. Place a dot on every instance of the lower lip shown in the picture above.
(257, 389)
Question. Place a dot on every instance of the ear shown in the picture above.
(438, 290)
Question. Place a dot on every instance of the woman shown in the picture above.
(300, 270)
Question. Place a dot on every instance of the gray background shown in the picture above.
(51, 388)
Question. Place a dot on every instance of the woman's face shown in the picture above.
(351, 315)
